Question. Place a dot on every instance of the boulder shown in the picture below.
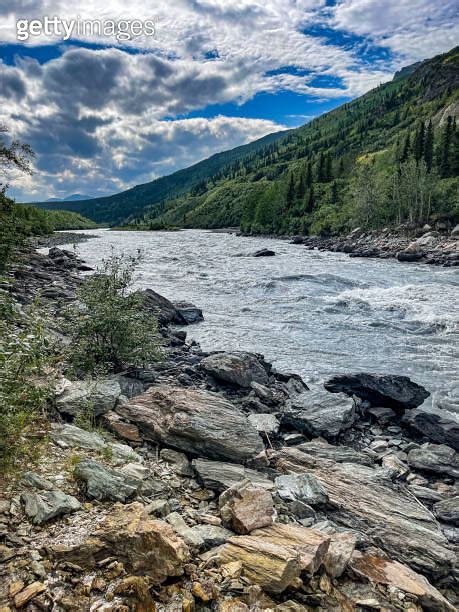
(310, 544)
(364, 499)
(240, 369)
(448, 510)
(36, 481)
(339, 553)
(264, 422)
(178, 461)
(114, 423)
(145, 546)
(264, 253)
(103, 483)
(72, 436)
(219, 476)
(96, 396)
(42, 507)
(194, 421)
(340, 454)
(301, 487)
(436, 458)
(189, 312)
(396, 576)
(397, 392)
(245, 507)
(212, 535)
(320, 413)
(435, 427)
(163, 309)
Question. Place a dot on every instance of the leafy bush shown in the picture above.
(24, 354)
(108, 326)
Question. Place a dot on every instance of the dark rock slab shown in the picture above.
(239, 369)
(44, 506)
(219, 476)
(103, 483)
(448, 510)
(435, 458)
(397, 392)
(264, 253)
(435, 427)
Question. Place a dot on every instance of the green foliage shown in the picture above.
(25, 353)
(108, 326)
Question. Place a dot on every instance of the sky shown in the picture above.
(104, 114)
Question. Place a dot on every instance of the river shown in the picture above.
(310, 312)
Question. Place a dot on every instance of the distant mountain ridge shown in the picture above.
(71, 198)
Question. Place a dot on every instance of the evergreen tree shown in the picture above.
(419, 142)
(310, 201)
(334, 193)
(309, 178)
(406, 149)
(445, 148)
(290, 197)
(328, 168)
(301, 189)
(321, 168)
(428, 146)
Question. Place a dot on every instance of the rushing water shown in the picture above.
(309, 312)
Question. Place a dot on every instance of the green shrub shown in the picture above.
(108, 327)
(24, 354)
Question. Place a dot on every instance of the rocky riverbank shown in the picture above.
(435, 246)
(215, 482)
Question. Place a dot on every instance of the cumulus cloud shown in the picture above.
(102, 120)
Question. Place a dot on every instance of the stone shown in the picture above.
(394, 575)
(218, 476)
(272, 566)
(164, 310)
(436, 458)
(364, 499)
(448, 510)
(245, 507)
(263, 393)
(189, 312)
(264, 253)
(103, 483)
(114, 423)
(455, 231)
(395, 467)
(36, 481)
(301, 487)
(340, 454)
(136, 471)
(266, 423)
(42, 507)
(194, 421)
(97, 396)
(145, 546)
(396, 392)
(192, 538)
(382, 414)
(425, 493)
(240, 369)
(121, 454)
(339, 553)
(212, 535)
(435, 427)
(159, 507)
(178, 461)
(31, 591)
(72, 436)
(136, 589)
(320, 413)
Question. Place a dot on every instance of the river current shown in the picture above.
(310, 312)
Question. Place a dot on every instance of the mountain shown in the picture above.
(387, 157)
(116, 208)
(71, 198)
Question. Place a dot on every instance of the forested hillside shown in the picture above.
(114, 209)
(390, 156)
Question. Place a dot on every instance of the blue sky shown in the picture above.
(103, 115)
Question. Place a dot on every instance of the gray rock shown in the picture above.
(435, 427)
(72, 436)
(264, 253)
(424, 493)
(437, 458)
(31, 479)
(339, 454)
(97, 396)
(219, 476)
(158, 507)
(266, 423)
(397, 392)
(137, 471)
(178, 461)
(193, 421)
(191, 536)
(103, 483)
(239, 369)
(42, 507)
(364, 499)
(301, 487)
(263, 393)
(122, 453)
(212, 535)
(161, 307)
(320, 413)
(448, 510)
(190, 313)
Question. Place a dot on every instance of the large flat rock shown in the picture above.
(194, 421)
(364, 499)
(240, 369)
